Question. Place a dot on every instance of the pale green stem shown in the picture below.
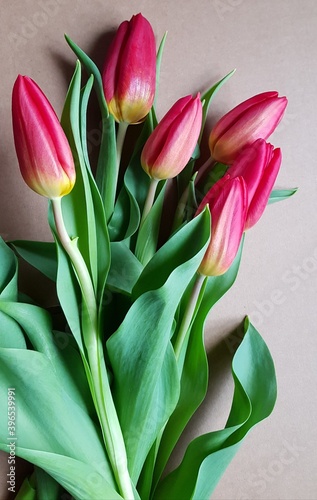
(149, 199)
(188, 315)
(102, 393)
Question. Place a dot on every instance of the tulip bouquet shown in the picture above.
(98, 400)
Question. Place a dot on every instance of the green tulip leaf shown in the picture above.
(53, 429)
(91, 69)
(281, 194)
(146, 382)
(173, 254)
(208, 96)
(194, 379)
(8, 273)
(41, 255)
(149, 230)
(82, 208)
(125, 268)
(126, 217)
(36, 323)
(207, 457)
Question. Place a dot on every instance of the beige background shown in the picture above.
(272, 43)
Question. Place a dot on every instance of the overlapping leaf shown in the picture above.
(207, 457)
(146, 383)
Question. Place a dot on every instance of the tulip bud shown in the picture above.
(227, 200)
(129, 72)
(44, 155)
(254, 118)
(171, 144)
(259, 165)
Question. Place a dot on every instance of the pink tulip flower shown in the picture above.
(259, 165)
(129, 72)
(254, 118)
(227, 201)
(171, 144)
(44, 155)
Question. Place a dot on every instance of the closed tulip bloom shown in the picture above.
(129, 72)
(227, 201)
(259, 165)
(254, 118)
(44, 155)
(171, 144)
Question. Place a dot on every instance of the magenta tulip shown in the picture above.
(171, 144)
(129, 72)
(227, 201)
(253, 119)
(259, 165)
(44, 155)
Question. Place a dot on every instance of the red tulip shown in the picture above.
(259, 165)
(254, 118)
(44, 155)
(171, 144)
(227, 201)
(130, 71)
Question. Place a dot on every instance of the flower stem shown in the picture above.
(149, 199)
(101, 391)
(188, 315)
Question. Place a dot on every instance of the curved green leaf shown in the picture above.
(91, 69)
(125, 268)
(146, 383)
(8, 273)
(41, 255)
(50, 422)
(207, 457)
(194, 378)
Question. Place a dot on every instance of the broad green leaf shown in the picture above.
(207, 456)
(41, 255)
(194, 379)
(50, 422)
(11, 334)
(146, 383)
(82, 480)
(281, 194)
(125, 268)
(172, 254)
(37, 325)
(8, 273)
